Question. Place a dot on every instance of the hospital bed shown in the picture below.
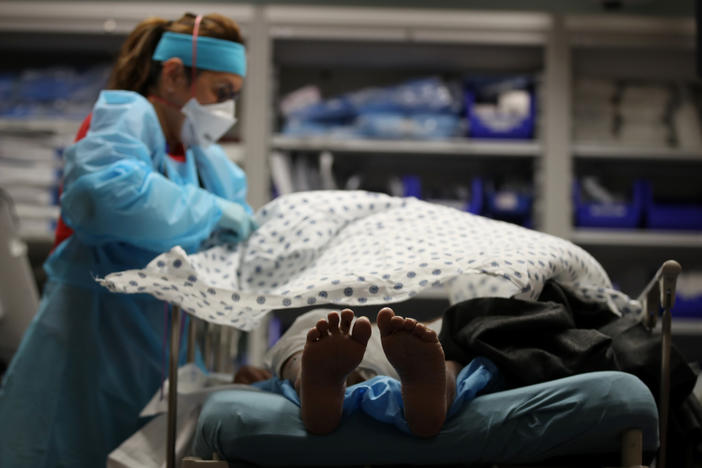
(587, 415)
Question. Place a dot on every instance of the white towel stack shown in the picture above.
(30, 173)
(594, 110)
(686, 120)
(643, 112)
(631, 113)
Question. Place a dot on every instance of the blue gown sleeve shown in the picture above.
(112, 191)
(225, 178)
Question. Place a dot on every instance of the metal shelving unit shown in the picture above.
(267, 27)
(407, 25)
(600, 31)
(627, 47)
(399, 39)
(459, 147)
(102, 18)
(553, 37)
(637, 238)
(235, 151)
(603, 151)
(56, 126)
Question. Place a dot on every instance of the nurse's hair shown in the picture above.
(135, 70)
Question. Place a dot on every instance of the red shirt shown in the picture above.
(63, 232)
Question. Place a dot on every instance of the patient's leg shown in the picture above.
(331, 353)
(428, 382)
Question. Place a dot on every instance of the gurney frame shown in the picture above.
(657, 299)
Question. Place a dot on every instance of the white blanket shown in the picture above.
(360, 248)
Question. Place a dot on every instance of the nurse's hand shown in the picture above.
(236, 220)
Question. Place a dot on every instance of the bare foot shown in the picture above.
(415, 352)
(330, 354)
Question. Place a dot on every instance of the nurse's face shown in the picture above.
(212, 87)
(209, 87)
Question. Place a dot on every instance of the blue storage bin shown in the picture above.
(412, 185)
(687, 307)
(610, 215)
(677, 216)
(8, 82)
(509, 205)
(499, 125)
(413, 188)
(477, 191)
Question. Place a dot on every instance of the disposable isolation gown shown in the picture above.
(92, 359)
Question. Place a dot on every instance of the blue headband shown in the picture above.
(212, 53)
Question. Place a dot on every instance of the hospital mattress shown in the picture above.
(584, 415)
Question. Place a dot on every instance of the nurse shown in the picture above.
(146, 175)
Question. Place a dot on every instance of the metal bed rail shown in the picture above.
(659, 298)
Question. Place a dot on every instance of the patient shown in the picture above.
(336, 354)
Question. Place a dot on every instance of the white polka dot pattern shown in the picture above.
(358, 248)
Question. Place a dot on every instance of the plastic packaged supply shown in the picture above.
(418, 126)
(494, 118)
(300, 99)
(422, 96)
(311, 129)
(331, 110)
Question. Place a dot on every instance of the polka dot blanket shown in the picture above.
(358, 248)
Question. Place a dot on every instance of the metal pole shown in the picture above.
(666, 286)
(192, 331)
(257, 118)
(173, 387)
(554, 173)
(665, 385)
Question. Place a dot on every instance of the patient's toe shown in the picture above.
(361, 330)
(313, 335)
(333, 319)
(397, 323)
(383, 320)
(323, 328)
(346, 319)
(409, 324)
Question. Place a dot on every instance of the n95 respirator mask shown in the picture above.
(205, 124)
